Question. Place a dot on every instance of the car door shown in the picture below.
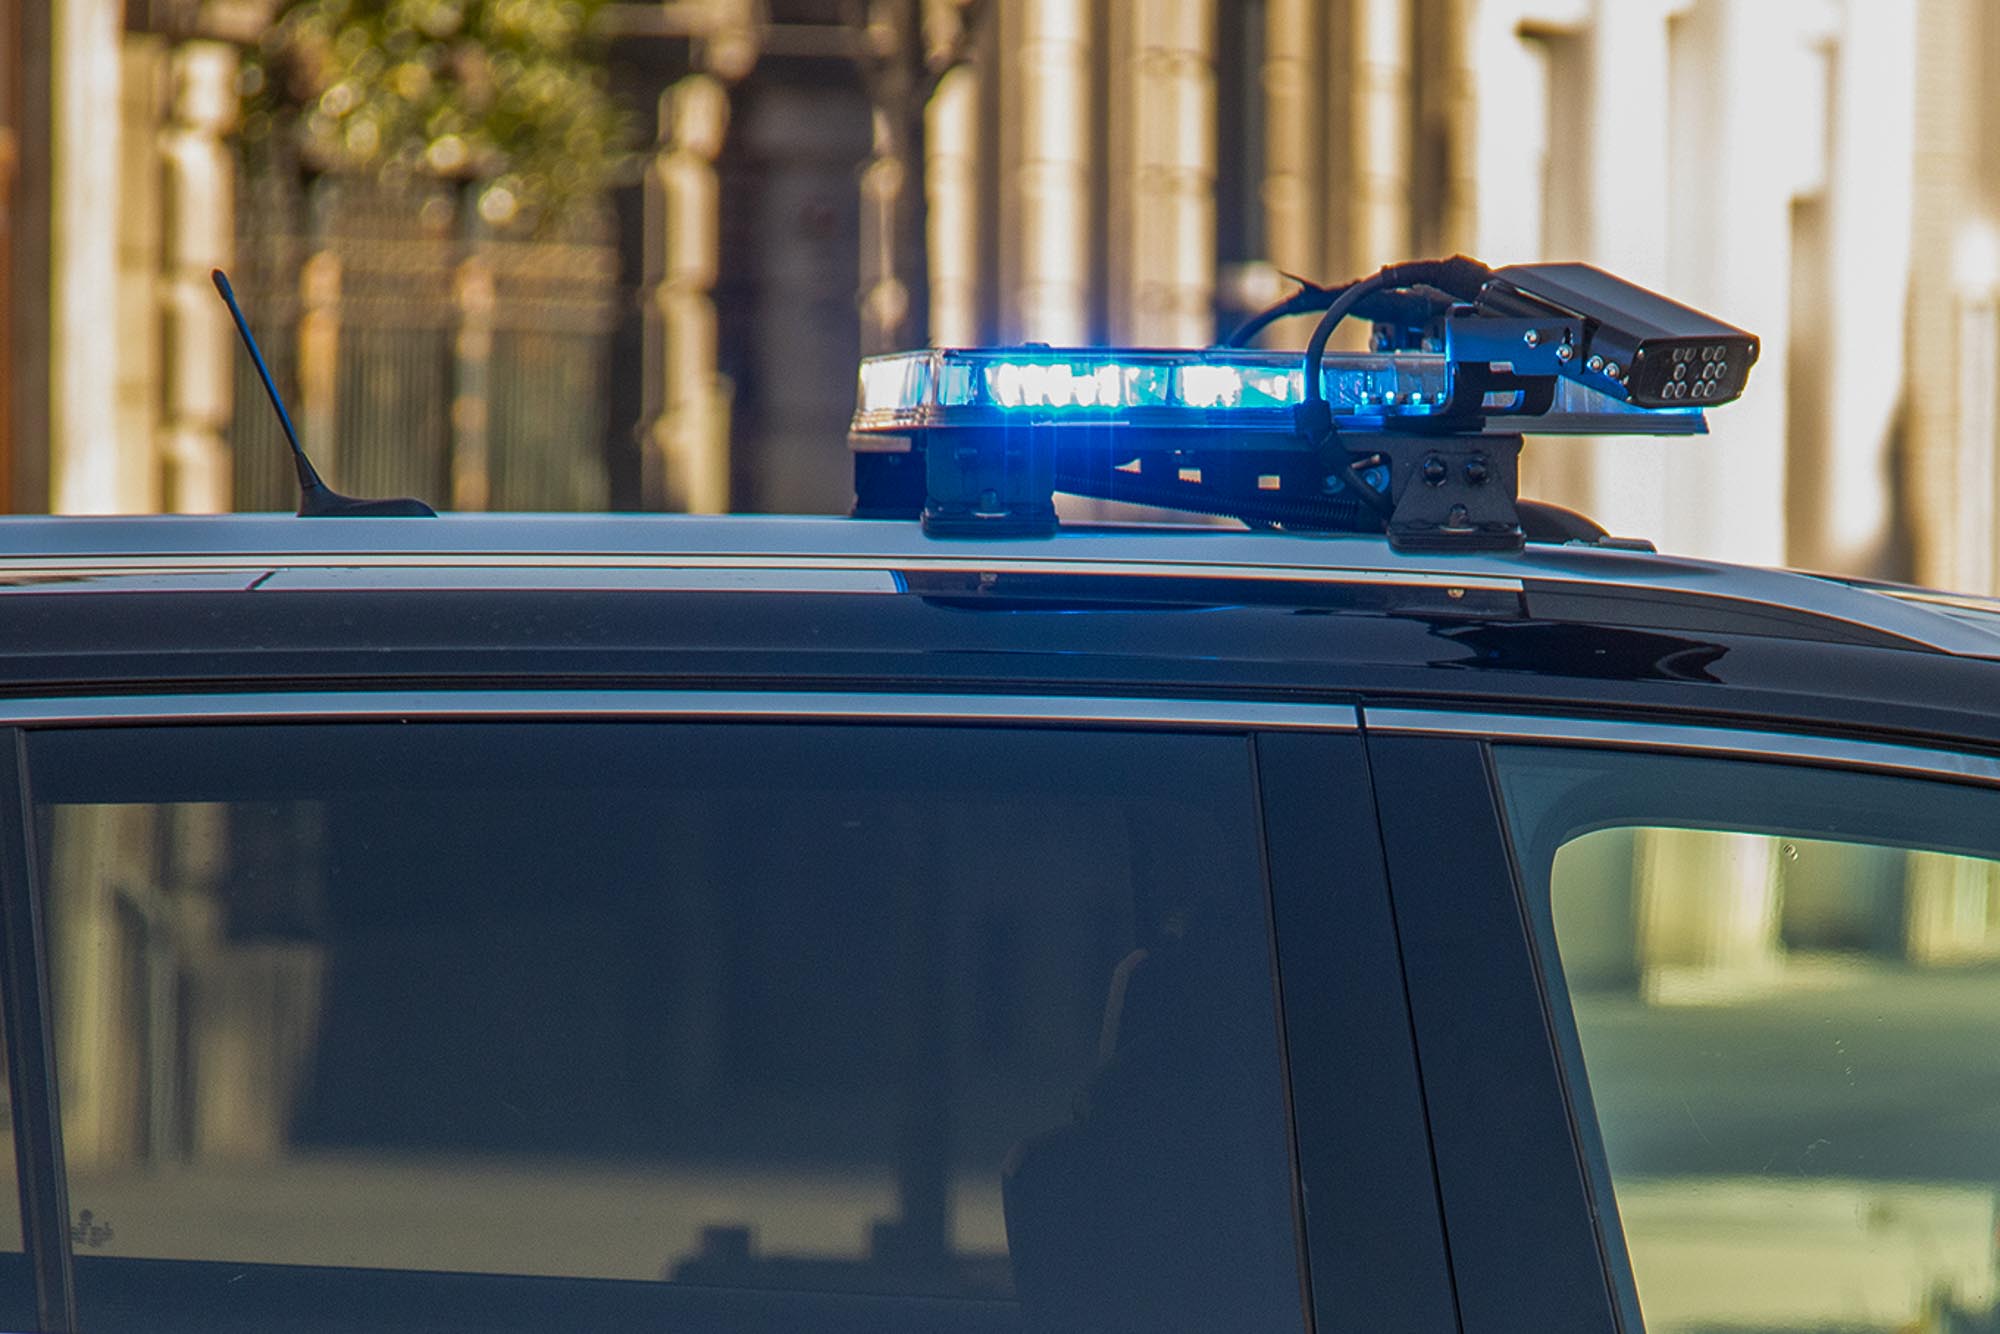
(715, 1010)
(1707, 1020)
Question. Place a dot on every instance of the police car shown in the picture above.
(1406, 908)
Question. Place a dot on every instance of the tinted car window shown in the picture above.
(1785, 987)
(915, 1014)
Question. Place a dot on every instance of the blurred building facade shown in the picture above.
(832, 176)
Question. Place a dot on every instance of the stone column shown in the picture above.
(688, 443)
(1949, 908)
(952, 147)
(1510, 125)
(894, 267)
(138, 385)
(1293, 188)
(87, 471)
(1972, 560)
(472, 350)
(1955, 252)
(28, 307)
(1163, 272)
(319, 359)
(1742, 94)
(1708, 912)
(1045, 176)
(1444, 186)
(199, 200)
(93, 851)
(1379, 189)
(1606, 112)
(1869, 207)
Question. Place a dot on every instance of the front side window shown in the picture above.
(976, 1018)
(1785, 992)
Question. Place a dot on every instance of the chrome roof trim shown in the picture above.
(680, 577)
(742, 705)
(1922, 761)
(696, 571)
(45, 544)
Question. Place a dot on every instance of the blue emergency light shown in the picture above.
(1420, 438)
(1207, 389)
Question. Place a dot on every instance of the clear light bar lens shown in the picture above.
(1245, 389)
(892, 383)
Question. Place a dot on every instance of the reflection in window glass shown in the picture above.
(977, 1014)
(10, 1182)
(1792, 1042)
(17, 1288)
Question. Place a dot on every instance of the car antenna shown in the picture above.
(316, 498)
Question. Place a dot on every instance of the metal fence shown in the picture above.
(423, 351)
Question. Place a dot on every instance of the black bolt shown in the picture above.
(1475, 470)
(1435, 471)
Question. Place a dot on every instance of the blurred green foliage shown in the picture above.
(508, 94)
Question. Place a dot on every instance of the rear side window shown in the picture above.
(1780, 992)
(974, 1025)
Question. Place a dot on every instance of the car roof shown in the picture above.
(826, 554)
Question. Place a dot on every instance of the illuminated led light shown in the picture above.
(1003, 382)
(1108, 386)
(1211, 386)
(1056, 384)
(890, 382)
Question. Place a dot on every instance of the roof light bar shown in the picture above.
(1419, 439)
(1241, 390)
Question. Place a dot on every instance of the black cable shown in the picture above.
(1309, 298)
(1458, 277)
(1405, 309)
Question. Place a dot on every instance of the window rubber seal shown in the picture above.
(31, 1065)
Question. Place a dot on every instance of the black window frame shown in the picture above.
(1512, 1174)
(31, 1071)
(1822, 752)
(1529, 1202)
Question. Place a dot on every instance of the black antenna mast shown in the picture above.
(316, 498)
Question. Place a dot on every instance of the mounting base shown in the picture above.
(1447, 491)
(991, 483)
(1453, 492)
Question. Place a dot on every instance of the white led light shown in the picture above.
(1211, 386)
(1111, 387)
(1058, 385)
(1003, 381)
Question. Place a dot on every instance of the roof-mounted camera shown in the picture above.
(1630, 343)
